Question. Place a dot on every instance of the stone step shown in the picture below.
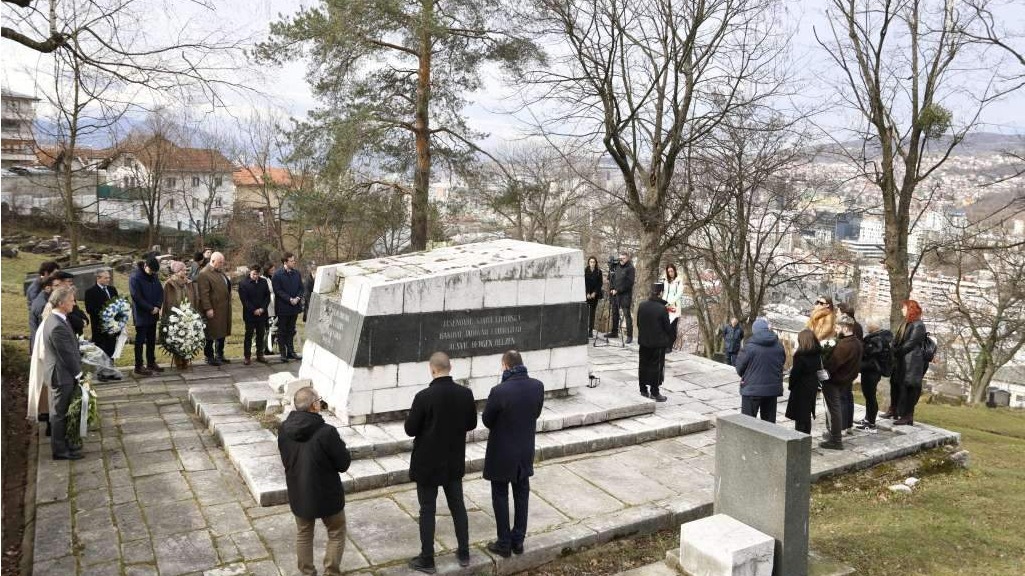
(254, 452)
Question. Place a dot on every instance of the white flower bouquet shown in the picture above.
(183, 332)
(114, 315)
(83, 413)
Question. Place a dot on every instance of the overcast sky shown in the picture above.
(290, 91)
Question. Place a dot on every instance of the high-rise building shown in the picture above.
(16, 137)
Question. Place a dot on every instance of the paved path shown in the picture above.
(156, 495)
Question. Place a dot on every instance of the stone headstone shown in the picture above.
(373, 324)
(723, 546)
(763, 479)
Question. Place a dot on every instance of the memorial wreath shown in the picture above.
(183, 332)
(114, 315)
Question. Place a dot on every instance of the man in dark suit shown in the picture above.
(288, 304)
(255, 296)
(654, 335)
(62, 368)
(511, 414)
(439, 419)
(622, 291)
(96, 297)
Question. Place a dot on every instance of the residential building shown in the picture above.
(261, 191)
(18, 116)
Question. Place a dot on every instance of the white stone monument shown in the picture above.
(374, 323)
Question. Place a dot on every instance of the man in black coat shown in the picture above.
(96, 297)
(255, 296)
(511, 414)
(623, 292)
(314, 455)
(654, 334)
(439, 419)
(62, 368)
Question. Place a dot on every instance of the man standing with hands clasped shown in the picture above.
(62, 370)
(438, 421)
(511, 415)
(288, 304)
(215, 302)
(255, 297)
(655, 334)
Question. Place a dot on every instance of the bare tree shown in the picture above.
(268, 172)
(149, 158)
(751, 159)
(206, 175)
(986, 313)
(540, 193)
(645, 82)
(904, 66)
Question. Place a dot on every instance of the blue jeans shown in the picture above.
(500, 501)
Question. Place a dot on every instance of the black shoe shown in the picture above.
(213, 362)
(285, 360)
(904, 421)
(494, 548)
(517, 548)
(68, 456)
(612, 335)
(223, 360)
(421, 564)
(659, 398)
(645, 394)
(830, 445)
(865, 425)
(464, 558)
(295, 356)
(629, 340)
(140, 371)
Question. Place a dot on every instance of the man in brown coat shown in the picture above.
(214, 289)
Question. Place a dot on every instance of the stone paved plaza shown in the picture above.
(156, 493)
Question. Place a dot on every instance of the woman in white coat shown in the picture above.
(673, 294)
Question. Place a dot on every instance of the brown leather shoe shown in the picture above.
(154, 368)
(904, 422)
(140, 371)
(247, 362)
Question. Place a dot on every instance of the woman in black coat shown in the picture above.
(908, 364)
(804, 381)
(592, 286)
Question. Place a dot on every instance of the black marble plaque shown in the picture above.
(398, 338)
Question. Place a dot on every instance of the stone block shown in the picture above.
(569, 356)
(356, 294)
(392, 399)
(278, 380)
(424, 295)
(413, 374)
(577, 376)
(361, 402)
(490, 365)
(536, 360)
(481, 387)
(559, 290)
(500, 294)
(750, 452)
(386, 299)
(530, 292)
(464, 291)
(723, 546)
(460, 368)
(553, 379)
(294, 386)
(375, 377)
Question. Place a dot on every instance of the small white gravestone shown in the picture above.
(719, 545)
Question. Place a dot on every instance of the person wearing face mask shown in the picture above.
(147, 298)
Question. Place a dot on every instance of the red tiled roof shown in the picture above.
(150, 152)
(254, 176)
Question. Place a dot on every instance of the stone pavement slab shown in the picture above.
(158, 495)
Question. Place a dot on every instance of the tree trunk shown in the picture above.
(896, 250)
(648, 260)
(421, 129)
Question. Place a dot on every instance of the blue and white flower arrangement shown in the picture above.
(115, 314)
(183, 331)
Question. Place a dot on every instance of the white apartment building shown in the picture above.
(19, 142)
(932, 290)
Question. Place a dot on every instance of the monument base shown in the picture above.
(400, 415)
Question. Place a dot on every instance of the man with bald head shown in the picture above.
(438, 421)
(214, 290)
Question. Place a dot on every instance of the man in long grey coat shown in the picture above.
(62, 369)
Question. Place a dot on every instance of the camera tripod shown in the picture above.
(601, 336)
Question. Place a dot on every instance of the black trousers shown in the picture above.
(651, 368)
(895, 387)
(622, 303)
(427, 496)
(592, 308)
(832, 394)
(731, 358)
(869, 383)
(753, 405)
(214, 348)
(847, 406)
(909, 396)
(286, 333)
(803, 423)
(59, 418)
(256, 326)
(500, 502)
(146, 335)
(104, 342)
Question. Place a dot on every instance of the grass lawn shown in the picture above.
(14, 314)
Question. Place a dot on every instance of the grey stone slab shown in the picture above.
(546, 547)
(53, 531)
(643, 519)
(226, 550)
(556, 482)
(227, 518)
(195, 460)
(164, 487)
(130, 523)
(387, 532)
(104, 569)
(263, 568)
(186, 552)
(482, 528)
(154, 463)
(92, 499)
(173, 518)
(209, 487)
(62, 565)
(89, 480)
(265, 478)
(141, 570)
(137, 552)
(247, 437)
(621, 477)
